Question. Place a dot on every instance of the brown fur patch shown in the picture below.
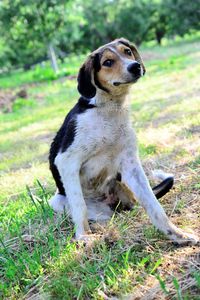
(99, 179)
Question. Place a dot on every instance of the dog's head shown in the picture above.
(111, 68)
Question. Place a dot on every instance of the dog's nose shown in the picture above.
(134, 68)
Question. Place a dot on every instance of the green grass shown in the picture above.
(40, 73)
(38, 255)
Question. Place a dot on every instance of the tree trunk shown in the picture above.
(159, 35)
(52, 56)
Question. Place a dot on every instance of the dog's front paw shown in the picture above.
(184, 238)
(87, 238)
(83, 232)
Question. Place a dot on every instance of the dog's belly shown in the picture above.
(95, 173)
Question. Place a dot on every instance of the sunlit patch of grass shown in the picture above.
(12, 184)
(24, 156)
(147, 150)
(177, 63)
(41, 73)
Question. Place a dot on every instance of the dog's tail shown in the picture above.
(165, 185)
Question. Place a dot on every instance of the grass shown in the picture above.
(40, 73)
(38, 256)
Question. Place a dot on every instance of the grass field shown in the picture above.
(130, 259)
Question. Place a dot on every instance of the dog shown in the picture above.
(94, 158)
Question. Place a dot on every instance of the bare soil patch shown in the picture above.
(7, 99)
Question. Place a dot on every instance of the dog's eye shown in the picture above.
(108, 63)
(128, 52)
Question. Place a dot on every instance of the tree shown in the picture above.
(183, 16)
(98, 22)
(133, 19)
(31, 28)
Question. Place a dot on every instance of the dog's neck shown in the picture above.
(108, 100)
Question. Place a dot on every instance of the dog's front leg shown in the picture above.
(134, 176)
(68, 165)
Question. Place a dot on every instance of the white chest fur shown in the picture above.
(104, 126)
(107, 131)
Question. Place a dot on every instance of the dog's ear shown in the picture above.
(135, 52)
(85, 86)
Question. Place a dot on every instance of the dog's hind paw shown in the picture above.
(184, 238)
(58, 203)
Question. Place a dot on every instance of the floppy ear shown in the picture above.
(135, 52)
(85, 86)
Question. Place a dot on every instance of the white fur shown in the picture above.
(142, 71)
(97, 209)
(59, 203)
(71, 182)
(160, 174)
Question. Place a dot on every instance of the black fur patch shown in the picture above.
(124, 43)
(85, 86)
(119, 176)
(163, 188)
(65, 137)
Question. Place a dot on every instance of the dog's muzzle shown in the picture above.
(135, 70)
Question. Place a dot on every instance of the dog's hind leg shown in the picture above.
(120, 197)
(133, 175)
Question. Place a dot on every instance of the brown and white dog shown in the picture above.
(94, 158)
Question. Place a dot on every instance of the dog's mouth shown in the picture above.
(117, 83)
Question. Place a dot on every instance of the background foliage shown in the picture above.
(29, 28)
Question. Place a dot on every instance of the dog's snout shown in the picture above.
(134, 68)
